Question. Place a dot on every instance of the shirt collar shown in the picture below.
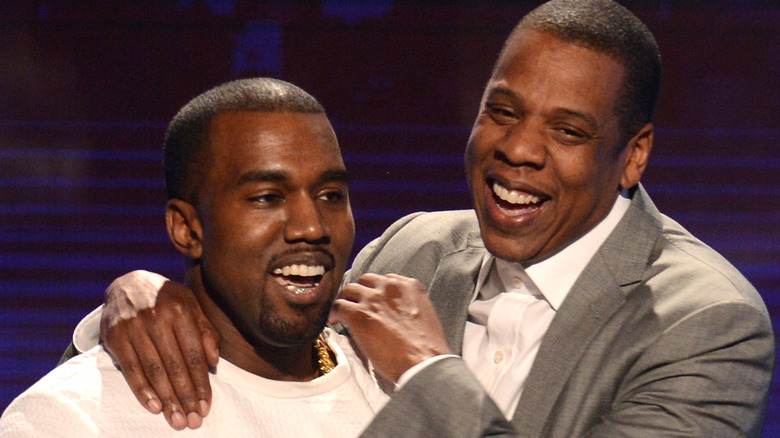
(554, 276)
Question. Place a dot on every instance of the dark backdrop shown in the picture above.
(86, 89)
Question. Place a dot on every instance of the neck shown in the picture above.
(285, 363)
(293, 363)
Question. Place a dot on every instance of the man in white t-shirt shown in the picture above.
(258, 205)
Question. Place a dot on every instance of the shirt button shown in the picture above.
(498, 356)
(517, 282)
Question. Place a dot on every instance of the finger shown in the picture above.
(370, 280)
(357, 292)
(211, 340)
(342, 312)
(154, 370)
(176, 374)
(124, 355)
(399, 277)
(196, 377)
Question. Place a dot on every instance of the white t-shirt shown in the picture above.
(88, 397)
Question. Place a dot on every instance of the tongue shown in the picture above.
(298, 281)
(518, 207)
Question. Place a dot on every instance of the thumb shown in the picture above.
(210, 339)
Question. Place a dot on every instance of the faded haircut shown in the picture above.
(187, 134)
(607, 27)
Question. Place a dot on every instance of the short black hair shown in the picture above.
(186, 137)
(607, 27)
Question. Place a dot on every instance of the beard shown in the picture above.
(300, 329)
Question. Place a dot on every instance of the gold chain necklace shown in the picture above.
(323, 355)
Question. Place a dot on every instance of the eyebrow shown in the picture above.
(334, 175)
(262, 176)
(585, 117)
(330, 175)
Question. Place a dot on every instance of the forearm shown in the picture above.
(444, 399)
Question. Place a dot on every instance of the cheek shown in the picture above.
(580, 168)
(479, 143)
(342, 226)
(474, 158)
(470, 154)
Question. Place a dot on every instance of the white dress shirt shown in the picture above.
(513, 306)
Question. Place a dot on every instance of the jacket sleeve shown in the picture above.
(445, 400)
(706, 376)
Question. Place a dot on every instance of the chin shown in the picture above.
(509, 248)
(303, 329)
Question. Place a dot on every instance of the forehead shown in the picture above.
(540, 65)
(293, 142)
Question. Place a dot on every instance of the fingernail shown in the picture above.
(193, 420)
(204, 408)
(178, 421)
(154, 405)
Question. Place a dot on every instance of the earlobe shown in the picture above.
(184, 227)
(638, 152)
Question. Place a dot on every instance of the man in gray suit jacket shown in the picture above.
(659, 336)
(569, 305)
(653, 332)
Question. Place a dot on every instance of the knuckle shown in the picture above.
(170, 403)
(168, 314)
(373, 307)
(194, 360)
(187, 400)
(154, 370)
(177, 308)
(131, 368)
(202, 392)
(173, 366)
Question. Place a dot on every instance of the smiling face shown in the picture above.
(275, 225)
(545, 161)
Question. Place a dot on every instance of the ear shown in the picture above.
(184, 228)
(637, 154)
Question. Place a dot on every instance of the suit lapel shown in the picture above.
(596, 295)
(452, 287)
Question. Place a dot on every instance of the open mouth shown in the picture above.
(515, 202)
(298, 278)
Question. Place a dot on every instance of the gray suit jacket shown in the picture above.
(659, 336)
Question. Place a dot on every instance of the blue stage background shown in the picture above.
(86, 90)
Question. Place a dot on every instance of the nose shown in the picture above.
(523, 144)
(305, 222)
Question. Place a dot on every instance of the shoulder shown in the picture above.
(686, 263)
(650, 249)
(79, 378)
(63, 402)
(681, 276)
(419, 238)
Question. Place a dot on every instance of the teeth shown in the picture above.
(513, 196)
(300, 290)
(300, 270)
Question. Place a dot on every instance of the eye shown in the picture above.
(570, 135)
(500, 113)
(333, 195)
(267, 199)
